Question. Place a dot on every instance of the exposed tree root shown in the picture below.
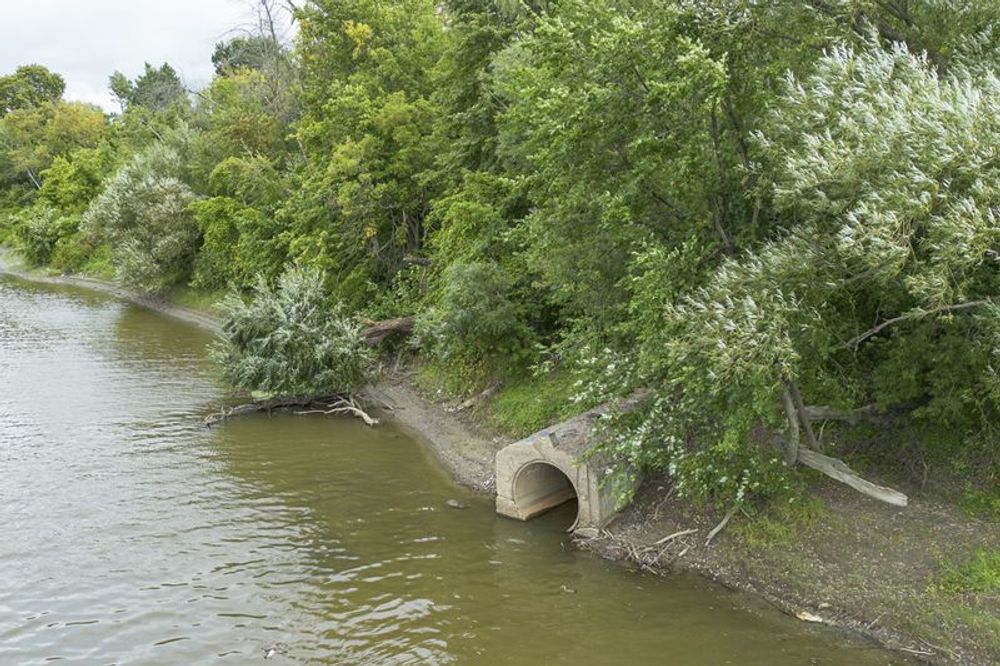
(336, 404)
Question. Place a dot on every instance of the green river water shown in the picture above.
(130, 534)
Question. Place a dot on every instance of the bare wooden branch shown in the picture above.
(257, 406)
(800, 408)
(674, 536)
(476, 399)
(850, 416)
(856, 341)
(790, 449)
(338, 404)
(722, 525)
(344, 405)
(378, 331)
(837, 469)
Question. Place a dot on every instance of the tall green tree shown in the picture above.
(29, 86)
(156, 89)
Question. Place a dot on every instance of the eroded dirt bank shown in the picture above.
(854, 563)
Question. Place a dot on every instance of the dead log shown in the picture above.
(377, 332)
(837, 469)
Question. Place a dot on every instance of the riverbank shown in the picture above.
(841, 559)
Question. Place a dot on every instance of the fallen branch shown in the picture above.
(344, 405)
(257, 406)
(837, 469)
(725, 521)
(674, 536)
(376, 332)
(338, 404)
(800, 410)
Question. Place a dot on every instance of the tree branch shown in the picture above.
(914, 314)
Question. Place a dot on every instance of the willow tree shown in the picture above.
(292, 346)
(876, 294)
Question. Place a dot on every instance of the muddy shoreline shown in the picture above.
(466, 448)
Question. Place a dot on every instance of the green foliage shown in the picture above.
(477, 320)
(39, 229)
(144, 214)
(243, 115)
(237, 244)
(782, 524)
(29, 86)
(31, 138)
(610, 117)
(367, 131)
(713, 200)
(156, 89)
(245, 52)
(74, 180)
(288, 339)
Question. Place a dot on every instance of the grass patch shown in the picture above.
(439, 378)
(523, 405)
(197, 299)
(981, 574)
(529, 404)
(980, 503)
(781, 523)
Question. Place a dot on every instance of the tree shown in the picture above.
(877, 293)
(144, 213)
(244, 52)
(29, 86)
(367, 132)
(156, 89)
(30, 138)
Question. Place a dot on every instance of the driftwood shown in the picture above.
(376, 332)
(337, 404)
(343, 405)
(837, 469)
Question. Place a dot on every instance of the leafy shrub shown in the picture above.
(237, 244)
(477, 319)
(39, 229)
(289, 340)
(144, 214)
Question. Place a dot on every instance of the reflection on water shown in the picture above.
(134, 535)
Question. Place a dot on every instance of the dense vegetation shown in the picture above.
(755, 209)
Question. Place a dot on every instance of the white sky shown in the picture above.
(86, 40)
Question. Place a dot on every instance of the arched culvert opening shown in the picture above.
(539, 487)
